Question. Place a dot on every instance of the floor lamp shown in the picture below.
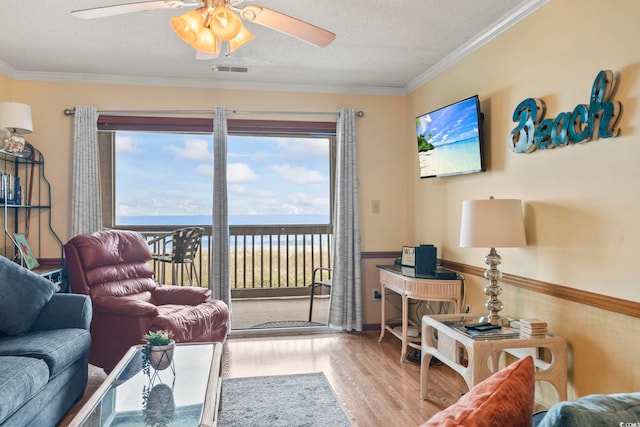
(492, 223)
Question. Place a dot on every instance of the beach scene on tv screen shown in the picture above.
(449, 140)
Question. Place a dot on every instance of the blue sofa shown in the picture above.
(619, 409)
(44, 348)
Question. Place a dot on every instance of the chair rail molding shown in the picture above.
(605, 302)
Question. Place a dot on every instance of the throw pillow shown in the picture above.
(24, 293)
(504, 399)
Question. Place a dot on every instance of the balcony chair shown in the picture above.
(184, 244)
(113, 267)
(318, 281)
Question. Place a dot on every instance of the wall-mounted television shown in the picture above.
(450, 140)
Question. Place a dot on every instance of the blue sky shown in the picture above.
(171, 174)
(454, 123)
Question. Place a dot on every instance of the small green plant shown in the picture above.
(157, 338)
(161, 337)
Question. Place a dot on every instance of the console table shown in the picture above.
(417, 288)
(440, 339)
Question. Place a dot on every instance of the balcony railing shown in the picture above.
(264, 260)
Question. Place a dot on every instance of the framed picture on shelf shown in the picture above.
(28, 258)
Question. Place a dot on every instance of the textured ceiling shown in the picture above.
(381, 46)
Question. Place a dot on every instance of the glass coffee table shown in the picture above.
(186, 393)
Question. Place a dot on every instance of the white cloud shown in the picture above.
(151, 206)
(320, 205)
(240, 172)
(303, 148)
(125, 144)
(304, 203)
(297, 197)
(298, 174)
(197, 149)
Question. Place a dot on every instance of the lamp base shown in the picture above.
(14, 144)
(493, 289)
(498, 320)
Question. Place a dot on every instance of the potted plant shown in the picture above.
(158, 351)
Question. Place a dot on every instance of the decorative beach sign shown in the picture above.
(584, 123)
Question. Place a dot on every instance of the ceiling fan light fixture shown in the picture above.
(206, 42)
(222, 17)
(188, 25)
(243, 37)
(224, 23)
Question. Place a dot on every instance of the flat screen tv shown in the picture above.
(450, 140)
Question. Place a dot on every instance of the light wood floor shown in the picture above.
(374, 388)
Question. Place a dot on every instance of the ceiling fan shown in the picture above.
(214, 21)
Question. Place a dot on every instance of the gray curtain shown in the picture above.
(219, 271)
(86, 215)
(345, 310)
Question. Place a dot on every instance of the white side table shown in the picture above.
(440, 340)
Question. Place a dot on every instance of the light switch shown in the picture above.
(375, 206)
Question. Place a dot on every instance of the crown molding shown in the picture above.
(507, 21)
(7, 69)
(200, 83)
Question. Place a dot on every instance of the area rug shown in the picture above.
(280, 401)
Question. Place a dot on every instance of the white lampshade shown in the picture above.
(492, 223)
(16, 117)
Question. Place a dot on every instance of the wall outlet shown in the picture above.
(376, 295)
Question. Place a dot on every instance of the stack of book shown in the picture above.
(533, 328)
(10, 189)
(501, 333)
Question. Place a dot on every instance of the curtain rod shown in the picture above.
(71, 111)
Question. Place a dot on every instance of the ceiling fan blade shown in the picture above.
(288, 25)
(119, 9)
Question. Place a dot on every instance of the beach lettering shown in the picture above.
(584, 123)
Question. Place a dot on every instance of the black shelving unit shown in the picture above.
(28, 212)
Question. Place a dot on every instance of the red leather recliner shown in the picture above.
(113, 268)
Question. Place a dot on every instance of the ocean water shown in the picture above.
(239, 241)
(233, 219)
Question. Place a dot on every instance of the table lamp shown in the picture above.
(492, 223)
(16, 118)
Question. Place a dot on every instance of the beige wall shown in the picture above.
(380, 132)
(581, 201)
(5, 88)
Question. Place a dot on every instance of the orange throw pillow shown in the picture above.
(504, 399)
